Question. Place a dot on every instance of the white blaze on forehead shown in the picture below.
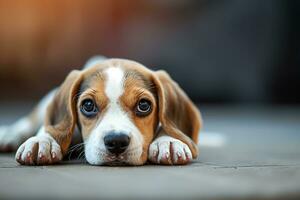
(114, 83)
(114, 119)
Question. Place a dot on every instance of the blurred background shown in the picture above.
(238, 59)
(233, 51)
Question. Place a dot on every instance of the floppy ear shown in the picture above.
(178, 116)
(61, 114)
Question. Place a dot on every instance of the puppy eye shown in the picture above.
(88, 108)
(143, 107)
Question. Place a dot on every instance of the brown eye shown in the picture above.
(88, 108)
(143, 107)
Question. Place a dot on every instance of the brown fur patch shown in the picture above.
(92, 88)
(137, 87)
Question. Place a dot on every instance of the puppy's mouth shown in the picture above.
(132, 156)
(129, 157)
(116, 160)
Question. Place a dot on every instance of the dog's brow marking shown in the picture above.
(114, 83)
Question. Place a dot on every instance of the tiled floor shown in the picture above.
(260, 159)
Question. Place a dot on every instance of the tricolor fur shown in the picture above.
(168, 134)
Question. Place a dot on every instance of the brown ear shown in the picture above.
(178, 115)
(61, 114)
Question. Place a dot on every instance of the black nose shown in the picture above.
(116, 143)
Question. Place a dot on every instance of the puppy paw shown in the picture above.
(39, 150)
(169, 151)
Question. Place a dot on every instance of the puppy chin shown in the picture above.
(102, 157)
(120, 160)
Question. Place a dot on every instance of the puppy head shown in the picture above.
(118, 105)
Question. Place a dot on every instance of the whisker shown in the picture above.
(76, 145)
(75, 148)
(72, 149)
(81, 155)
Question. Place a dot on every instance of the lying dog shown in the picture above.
(126, 114)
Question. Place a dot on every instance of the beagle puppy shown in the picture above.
(125, 112)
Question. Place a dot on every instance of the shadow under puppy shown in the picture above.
(126, 114)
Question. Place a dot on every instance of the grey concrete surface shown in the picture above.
(260, 160)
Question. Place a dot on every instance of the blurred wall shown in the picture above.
(219, 51)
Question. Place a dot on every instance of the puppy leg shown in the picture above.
(41, 149)
(13, 135)
(167, 150)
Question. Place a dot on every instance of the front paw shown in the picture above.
(39, 150)
(169, 151)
